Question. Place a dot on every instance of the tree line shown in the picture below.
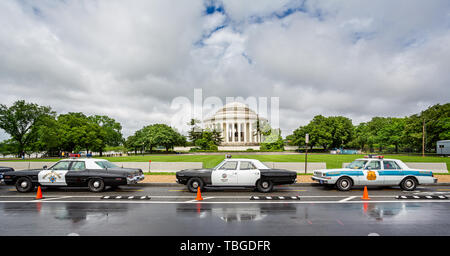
(384, 134)
(33, 128)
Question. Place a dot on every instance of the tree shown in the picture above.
(196, 132)
(154, 135)
(21, 122)
(112, 130)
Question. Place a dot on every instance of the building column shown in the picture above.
(239, 132)
(247, 132)
(251, 131)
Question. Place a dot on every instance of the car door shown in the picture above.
(226, 174)
(248, 174)
(56, 175)
(371, 173)
(392, 173)
(77, 174)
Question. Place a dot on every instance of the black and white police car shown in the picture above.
(236, 173)
(93, 173)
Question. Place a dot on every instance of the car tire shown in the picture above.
(24, 185)
(96, 185)
(195, 183)
(408, 184)
(264, 186)
(344, 184)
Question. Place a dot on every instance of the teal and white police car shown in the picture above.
(374, 170)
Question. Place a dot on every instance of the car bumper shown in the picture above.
(135, 179)
(320, 180)
(435, 180)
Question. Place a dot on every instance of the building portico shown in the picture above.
(236, 122)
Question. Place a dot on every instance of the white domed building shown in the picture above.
(237, 123)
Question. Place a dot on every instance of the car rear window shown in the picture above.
(78, 166)
(105, 164)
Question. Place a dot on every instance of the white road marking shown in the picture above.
(205, 198)
(347, 199)
(228, 202)
(53, 198)
(373, 234)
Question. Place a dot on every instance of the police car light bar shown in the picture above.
(372, 156)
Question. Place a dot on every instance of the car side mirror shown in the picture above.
(45, 167)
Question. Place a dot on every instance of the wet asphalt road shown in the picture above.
(173, 211)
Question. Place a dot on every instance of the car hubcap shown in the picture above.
(96, 184)
(344, 184)
(195, 185)
(409, 183)
(265, 184)
(24, 184)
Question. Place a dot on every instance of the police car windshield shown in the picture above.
(357, 164)
(106, 164)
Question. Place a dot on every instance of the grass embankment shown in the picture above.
(332, 161)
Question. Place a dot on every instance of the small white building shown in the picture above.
(443, 147)
(237, 123)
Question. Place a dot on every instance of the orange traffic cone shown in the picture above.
(39, 193)
(199, 195)
(365, 194)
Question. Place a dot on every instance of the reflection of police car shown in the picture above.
(85, 172)
(375, 171)
(237, 173)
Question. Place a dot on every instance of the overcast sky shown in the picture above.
(130, 59)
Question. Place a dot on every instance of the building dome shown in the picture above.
(237, 124)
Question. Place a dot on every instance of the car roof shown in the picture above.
(83, 159)
(388, 159)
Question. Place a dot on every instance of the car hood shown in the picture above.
(194, 171)
(335, 170)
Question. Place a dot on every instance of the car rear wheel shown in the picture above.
(24, 185)
(194, 183)
(264, 186)
(408, 184)
(96, 185)
(344, 184)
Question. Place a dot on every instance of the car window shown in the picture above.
(63, 165)
(390, 165)
(374, 165)
(245, 165)
(105, 164)
(230, 165)
(357, 164)
(78, 166)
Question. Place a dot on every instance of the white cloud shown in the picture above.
(129, 60)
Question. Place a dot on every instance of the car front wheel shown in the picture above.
(194, 183)
(96, 185)
(24, 185)
(344, 184)
(264, 186)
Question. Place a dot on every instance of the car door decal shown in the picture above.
(52, 177)
(371, 175)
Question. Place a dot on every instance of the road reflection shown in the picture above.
(234, 213)
(379, 212)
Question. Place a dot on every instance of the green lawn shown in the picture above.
(332, 161)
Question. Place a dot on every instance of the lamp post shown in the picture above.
(306, 154)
